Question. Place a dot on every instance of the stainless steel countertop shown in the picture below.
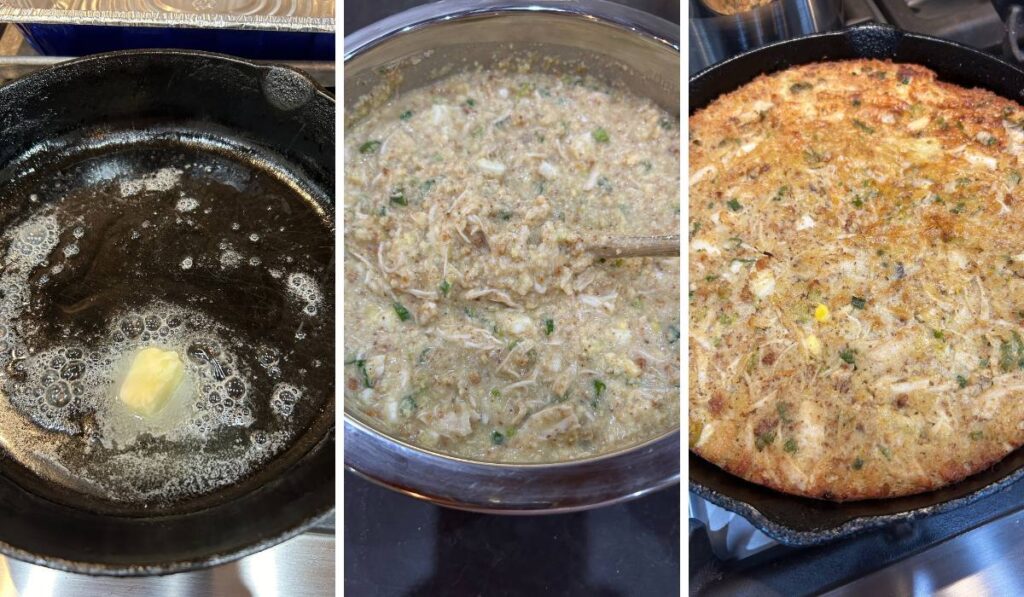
(303, 566)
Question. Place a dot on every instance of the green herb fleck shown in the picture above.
(398, 197)
(445, 287)
(734, 205)
(847, 355)
(1014, 177)
(858, 303)
(961, 381)
(370, 147)
(763, 440)
(976, 435)
(865, 128)
(599, 388)
(361, 367)
(402, 312)
(407, 406)
(938, 335)
(405, 115)
(858, 463)
(549, 326)
(790, 445)
(665, 123)
(800, 87)
(495, 392)
(470, 102)
(600, 135)
(673, 334)
(885, 452)
(812, 157)
(783, 410)
(497, 438)
(959, 209)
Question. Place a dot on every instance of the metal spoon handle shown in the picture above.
(635, 246)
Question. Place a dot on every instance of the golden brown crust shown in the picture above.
(857, 280)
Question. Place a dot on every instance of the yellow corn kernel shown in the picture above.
(813, 345)
(821, 313)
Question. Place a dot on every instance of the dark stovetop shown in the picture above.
(399, 546)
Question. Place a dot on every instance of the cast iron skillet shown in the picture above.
(802, 521)
(265, 121)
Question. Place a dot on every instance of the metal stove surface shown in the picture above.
(302, 566)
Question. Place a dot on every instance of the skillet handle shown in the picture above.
(1012, 18)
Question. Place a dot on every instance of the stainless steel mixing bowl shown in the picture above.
(635, 50)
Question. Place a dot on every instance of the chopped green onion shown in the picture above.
(407, 406)
(398, 197)
(601, 135)
(370, 147)
(470, 102)
(599, 388)
(402, 312)
(764, 439)
(495, 392)
(445, 287)
(549, 326)
(361, 367)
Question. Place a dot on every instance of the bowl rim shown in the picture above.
(424, 15)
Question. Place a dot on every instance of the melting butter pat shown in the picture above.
(151, 381)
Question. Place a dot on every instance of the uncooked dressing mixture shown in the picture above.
(476, 324)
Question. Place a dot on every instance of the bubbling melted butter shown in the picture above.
(244, 395)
